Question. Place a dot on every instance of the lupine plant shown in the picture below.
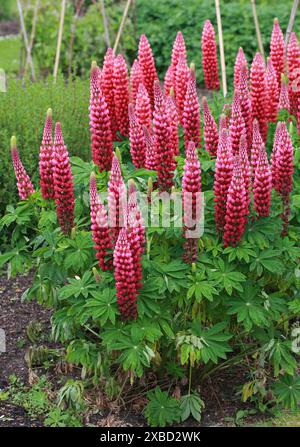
(138, 297)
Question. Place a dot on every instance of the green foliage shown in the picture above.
(161, 409)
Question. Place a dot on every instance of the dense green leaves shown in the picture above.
(161, 409)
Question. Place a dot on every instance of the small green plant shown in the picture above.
(161, 409)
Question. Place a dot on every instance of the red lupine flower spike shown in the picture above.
(245, 167)
(256, 147)
(262, 186)
(24, 185)
(191, 113)
(293, 57)
(63, 182)
(191, 189)
(116, 199)
(209, 57)
(272, 92)
(143, 107)
(275, 151)
(151, 156)
(107, 87)
(125, 277)
(222, 123)
(211, 136)
(178, 50)
(121, 94)
(237, 124)
(169, 80)
(223, 174)
(45, 163)
(240, 62)
(100, 128)
(277, 50)
(259, 94)
(136, 78)
(245, 103)
(235, 207)
(173, 122)
(164, 154)
(284, 102)
(136, 139)
(147, 65)
(99, 227)
(182, 75)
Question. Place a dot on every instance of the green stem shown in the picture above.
(190, 379)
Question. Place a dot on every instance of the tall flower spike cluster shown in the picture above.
(143, 107)
(245, 167)
(245, 103)
(272, 92)
(277, 50)
(24, 185)
(137, 140)
(262, 186)
(275, 150)
(173, 122)
(45, 162)
(121, 94)
(136, 78)
(125, 277)
(256, 148)
(164, 154)
(182, 75)
(147, 65)
(191, 113)
(99, 227)
(237, 125)
(293, 57)
(223, 175)
(240, 62)
(107, 87)
(63, 182)
(191, 190)
(211, 136)
(100, 125)
(259, 94)
(284, 102)
(209, 57)
(116, 199)
(235, 207)
(150, 156)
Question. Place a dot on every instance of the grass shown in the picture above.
(285, 419)
(9, 54)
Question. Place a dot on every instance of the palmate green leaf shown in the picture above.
(263, 231)
(280, 352)
(145, 330)
(161, 409)
(191, 405)
(77, 251)
(201, 288)
(269, 260)
(249, 307)
(149, 297)
(227, 277)
(103, 306)
(242, 252)
(172, 276)
(287, 391)
(78, 286)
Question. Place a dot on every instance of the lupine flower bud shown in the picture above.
(240, 62)
(293, 57)
(116, 199)
(276, 144)
(164, 154)
(99, 227)
(237, 125)
(100, 127)
(136, 78)
(272, 92)
(223, 175)
(173, 122)
(209, 57)
(125, 277)
(169, 80)
(63, 182)
(191, 113)
(121, 94)
(284, 102)
(137, 140)
(211, 136)
(147, 65)
(143, 107)
(277, 50)
(262, 186)
(256, 147)
(259, 94)
(45, 164)
(191, 189)
(24, 185)
(235, 207)
(182, 74)
(245, 103)
(107, 87)
(151, 156)
(178, 50)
